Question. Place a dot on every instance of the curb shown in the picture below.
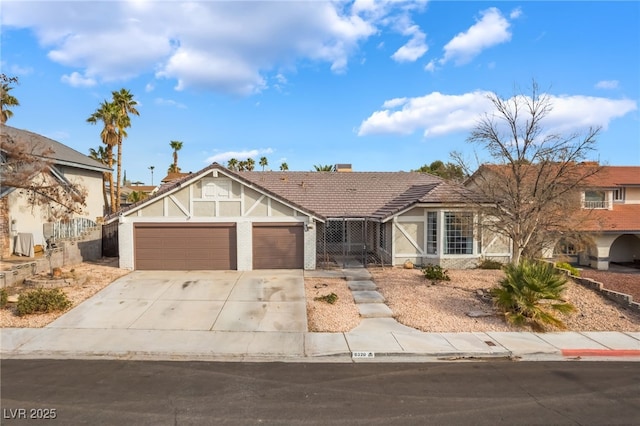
(601, 352)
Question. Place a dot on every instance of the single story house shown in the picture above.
(18, 216)
(222, 219)
(611, 208)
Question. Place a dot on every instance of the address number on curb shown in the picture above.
(363, 355)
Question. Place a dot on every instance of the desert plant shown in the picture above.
(435, 273)
(490, 264)
(529, 292)
(330, 298)
(572, 270)
(42, 300)
(3, 298)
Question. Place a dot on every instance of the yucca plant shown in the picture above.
(530, 292)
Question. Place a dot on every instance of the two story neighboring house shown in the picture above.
(611, 207)
(17, 215)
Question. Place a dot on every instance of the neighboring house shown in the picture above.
(142, 191)
(68, 165)
(221, 219)
(611, 205)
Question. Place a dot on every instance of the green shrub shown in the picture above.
(572, 270)
(490, 264)
(329, 298)
(3, 298)
(529, 292)
(42, 300)
(435, 273)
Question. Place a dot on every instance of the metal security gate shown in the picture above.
(345, 243)
(110, 240)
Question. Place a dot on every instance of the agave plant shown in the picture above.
(529, 294)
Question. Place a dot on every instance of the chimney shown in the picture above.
(342, 168)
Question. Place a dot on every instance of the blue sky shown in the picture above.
(382, 85)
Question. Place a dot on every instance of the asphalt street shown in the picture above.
(111, 392)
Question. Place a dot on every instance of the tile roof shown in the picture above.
(60, 154)
(612, 176)
(348, 194)
(622, 218)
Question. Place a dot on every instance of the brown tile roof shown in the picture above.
(623, 218)
(613, 176)
(334, 194)
(359, 194)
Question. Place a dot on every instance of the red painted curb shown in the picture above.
(601, 352)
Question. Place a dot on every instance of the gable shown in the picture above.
(213, 194)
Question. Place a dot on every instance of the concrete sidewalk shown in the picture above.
(369, 342)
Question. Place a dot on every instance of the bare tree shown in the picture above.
(25, 168)
(531, 186)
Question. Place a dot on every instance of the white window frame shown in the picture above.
(619, 195)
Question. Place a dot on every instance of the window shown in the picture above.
(595, 200)
(432, 232)
(566, 248)
(618, 195)
(458, 233)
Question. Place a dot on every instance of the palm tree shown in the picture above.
(136, 196)
(100, 155)
(173, 168)
(284, 167)
(123, 101)
(176, 146)
(6, 100)
(323, 168)
(232, 164)
(242, 165)
(151, 168)
(264, 162)
(250, 164)
(108, 113)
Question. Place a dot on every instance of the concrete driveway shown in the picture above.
(271, 300)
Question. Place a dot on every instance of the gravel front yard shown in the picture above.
(414, 301)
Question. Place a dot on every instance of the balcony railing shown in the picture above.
(601, 204)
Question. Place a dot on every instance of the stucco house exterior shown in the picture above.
(222, 219)
(67, 165)
(611, 207)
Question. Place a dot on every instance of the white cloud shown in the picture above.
(515, 13)
(439, 114)
(431, 66)
(223, 157)
(169, 102)
(414, 49)
(607, 84)
(76, 80)
(229, 47)
(150, 87)
(490, 30)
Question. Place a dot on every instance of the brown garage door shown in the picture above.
(181, 246)
(278, 246)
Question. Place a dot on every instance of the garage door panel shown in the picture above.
(185, 246)
(278, 246)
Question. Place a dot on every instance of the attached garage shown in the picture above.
(185, 246)
(278, 246)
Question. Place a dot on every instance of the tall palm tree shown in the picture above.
(232, 164)
(284, 167)
(125, 104)
(151, 168)
(264, 162)
(107, 113)
(242, 165)
(176, 146)
(100, 155)
(250, 164)
(6, 100)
